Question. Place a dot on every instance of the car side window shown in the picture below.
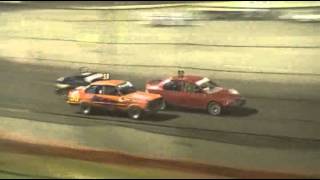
(191, 88)
(174, 85)
(110, 90)
(79, 82)
(91, 90)
(94, 90)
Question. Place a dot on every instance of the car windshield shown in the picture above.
(206, 84)
(126, 88)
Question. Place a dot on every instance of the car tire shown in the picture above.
(85, 109)
(59, 91)
(135, 112)
(163, 105)
(214, 109)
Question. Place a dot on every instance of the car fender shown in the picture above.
(141, 106)
(219, 101)
(215, 101)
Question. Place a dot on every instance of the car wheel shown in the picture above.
(85, 109)
(59, 91)
(134, 112)
(163, 105)
(214, 109)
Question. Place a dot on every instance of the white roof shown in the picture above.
(93, 77)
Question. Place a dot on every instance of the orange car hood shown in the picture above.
(140, 95)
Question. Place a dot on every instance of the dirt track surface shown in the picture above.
(285, 128)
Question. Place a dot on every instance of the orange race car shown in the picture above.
(115, 95)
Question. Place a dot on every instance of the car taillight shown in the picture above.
(71, 92)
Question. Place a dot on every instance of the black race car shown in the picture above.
(65, 84)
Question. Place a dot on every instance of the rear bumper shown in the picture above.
(72, 102)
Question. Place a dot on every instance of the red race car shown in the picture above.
(195, 92)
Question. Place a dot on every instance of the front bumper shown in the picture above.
(155, 105)
(237, 102)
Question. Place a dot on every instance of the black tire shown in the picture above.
(85, 109)
(60, 92)
(214, 109)
(135, 112)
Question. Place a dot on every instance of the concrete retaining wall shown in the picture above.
(125, 37)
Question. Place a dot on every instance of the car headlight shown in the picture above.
(233, 91)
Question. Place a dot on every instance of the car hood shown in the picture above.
(215, 90)
(142, 96)
(222, 91)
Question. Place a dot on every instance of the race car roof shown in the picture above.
(188, 78)
(109, 82)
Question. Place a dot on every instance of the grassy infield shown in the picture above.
(15, 165)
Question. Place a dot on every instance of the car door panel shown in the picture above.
(108, 102)
(196, 100)
(194, 97)
(173, 97)
(109, 98)
(172, 93)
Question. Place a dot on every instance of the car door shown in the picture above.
(107, 98)
(94, 96)
(90, 93)
(194, 97)
(172, 92)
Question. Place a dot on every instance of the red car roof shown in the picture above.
(188, 78)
